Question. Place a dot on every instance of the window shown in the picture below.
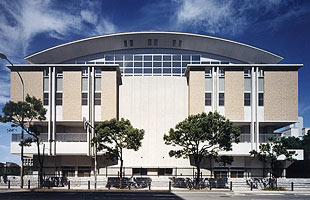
(45, 98)
(84, 98)
(139, 171)
(220, 174)
(84, 72)
(155, 42)
(221, 73)
(68, 171)
(208, 73)
(164, 171)
(59, 84)
(247, 99)
(149, 42)
(97, 98)
(97, 84)
(208, 99)
(221, 99)
(131, 42)
(125, 43)
(180, 43)
(260, 99)
(58, 99)
(98, 73)
(174, 43)
(83, 171)
(247, 73)
(236, 174)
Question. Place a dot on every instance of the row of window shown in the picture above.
(153, 42)
(208, 99)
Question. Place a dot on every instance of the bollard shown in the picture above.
(251, 186)
(169, 186)
(210, 185)
(68, 185)
(9, 184)
(292, 186)
(95, 185)
(28, 184)
(89, 185)
(149, 186)
(230, 185)
(129, 187)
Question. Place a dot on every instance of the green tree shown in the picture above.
(269, 153)
(22, 114)
(296, 143)
(202, 135)
(114, 136)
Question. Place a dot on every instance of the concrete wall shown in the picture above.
(71, 107)
(234, 94)
(154, 104)
(281, 95)
(109, 92)
(33, 83)
(196, 92)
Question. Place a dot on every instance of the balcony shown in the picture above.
(263, 138)
(60, 137)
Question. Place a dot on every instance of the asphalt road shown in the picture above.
(147, 195)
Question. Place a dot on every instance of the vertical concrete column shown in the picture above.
(252, 107)
(213, 89)
(93, 103)
(216, 93)
(89, 112)
(50, 108)
(53, 75)
(256, 109)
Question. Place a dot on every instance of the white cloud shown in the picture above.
(20, 21)
(233, 17)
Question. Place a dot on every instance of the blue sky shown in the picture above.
(279, 26)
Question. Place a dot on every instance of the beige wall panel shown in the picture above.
(109, 90)
(281, 95)
(33, 82)
(196, 90)
(71, 106)
(234, 94)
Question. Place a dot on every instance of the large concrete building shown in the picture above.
(155, 79)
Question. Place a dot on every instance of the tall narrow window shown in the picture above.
(208, 99)
(98, 87)
(260, 99)
(208, 87)
(260, 88)
(180, 43)
(155, 42)
(45, 87)
(221, 87)
(247, 87)
(125, 43)
(59, 88)
(174, 43)
(149, 42)
(131, 42)
(84, 87)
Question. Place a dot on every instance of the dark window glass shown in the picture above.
(139, 171)
(118, 57)
(119, 63)
(221, 99)
(184, 64)
(247, 99)
(109, 58)
(147, 70)
(45, 99)
(128, 57)
(260, 99)
(167, 64)
(131, 43)
(208, 99)
(157, 70)
(58, 99)
(176, 70)
(97, 98)
(157, 64)
(147, 58)
(128, 70)
(205, 62)
(148, 64)
(167, 58)
(157, 58)
(196, 58)
(84, 98)
(186, 58)
(167, 70)
(174, 43)
(176, 64)
(84, 171)
(183, 70)
(109, 62)
(164, 171)
(128, 64)
(138, 58)
(125, 43)
(177, 58)
(138, 64)
(225, 62)
(195, 62)
(215, 62)
(138, 70)
(155, 42)
(180, 43)
(149, 42)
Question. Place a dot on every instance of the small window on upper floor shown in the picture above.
(174, 43)
(98, 72)
(180, 43)
(84, 72)
(208, 72)
(221, 73)
(155, 42)
(46, 73)
(260, 73)
(125, 43)
(247, 73)
(59, 73)
(131, 42)
(149, 42)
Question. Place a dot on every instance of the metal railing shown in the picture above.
(263, 138)
(60, 137)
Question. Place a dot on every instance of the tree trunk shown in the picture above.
(121, 169)
(197, 163)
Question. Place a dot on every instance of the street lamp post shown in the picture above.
(2, 56)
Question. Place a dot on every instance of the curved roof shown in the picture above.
(190, 41)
